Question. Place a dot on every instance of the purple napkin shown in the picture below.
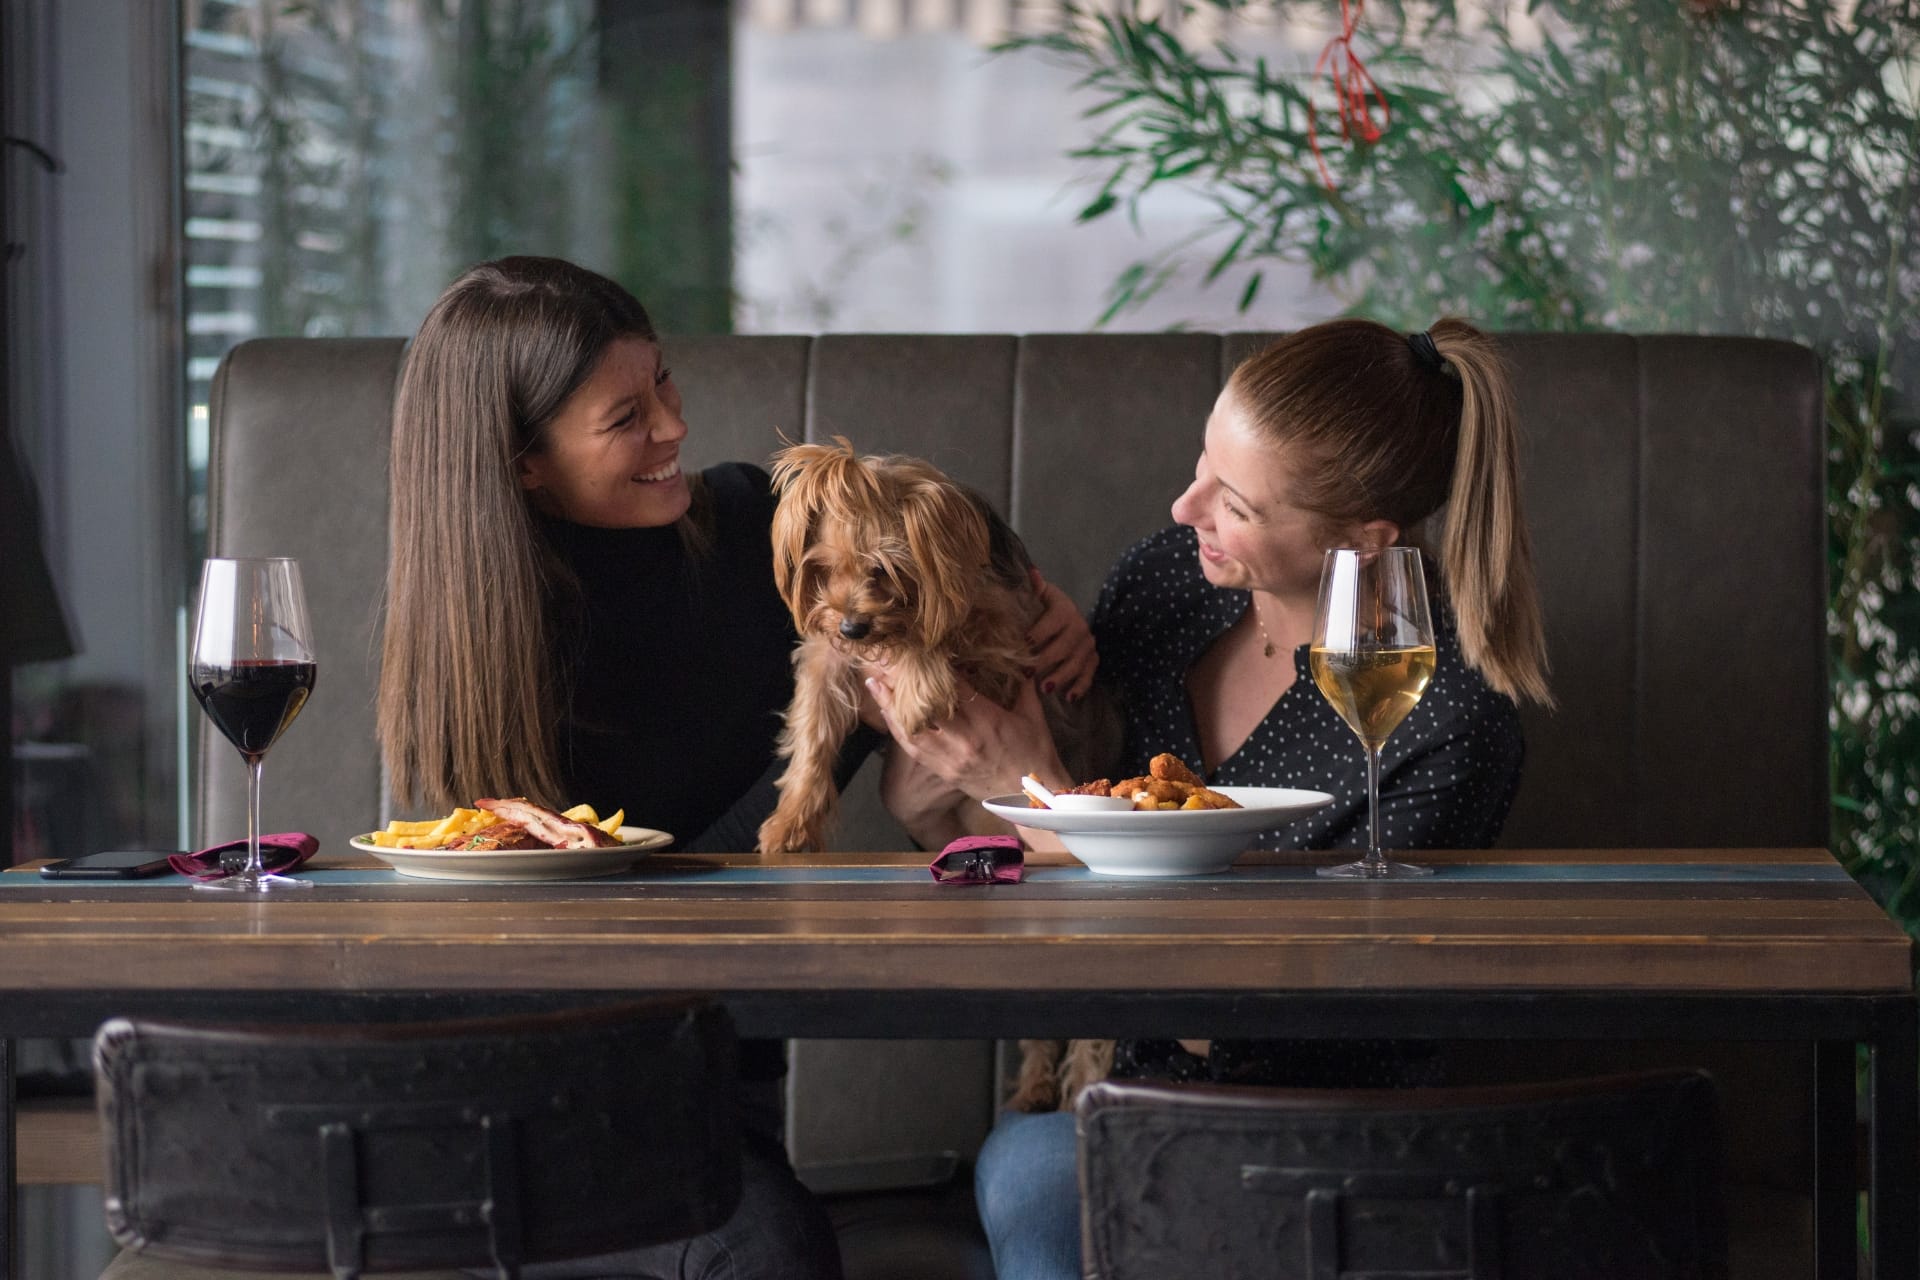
(980, 860)
(279, 853)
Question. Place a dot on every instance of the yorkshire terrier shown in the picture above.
(889, 557)
(885, 557)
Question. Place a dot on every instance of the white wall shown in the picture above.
(837, 135)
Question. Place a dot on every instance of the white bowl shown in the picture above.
(1165, 842)
(1090, 804)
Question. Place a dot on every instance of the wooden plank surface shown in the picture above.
(1750, 921)
(58, 1141)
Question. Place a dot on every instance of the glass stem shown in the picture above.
(1376, 863)
(253, 817)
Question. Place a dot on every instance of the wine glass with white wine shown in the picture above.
(1372, 657)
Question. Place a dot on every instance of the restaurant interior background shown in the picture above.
(213, 170)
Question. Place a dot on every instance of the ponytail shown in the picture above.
(1485, 551)
(1380, 426)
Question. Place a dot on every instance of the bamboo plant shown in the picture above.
(1650, 165)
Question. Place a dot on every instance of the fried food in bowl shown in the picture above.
(1167, 784)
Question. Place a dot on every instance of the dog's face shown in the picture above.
(874, 553)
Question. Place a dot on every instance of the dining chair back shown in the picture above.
(351, 1150)
(1609, 1179)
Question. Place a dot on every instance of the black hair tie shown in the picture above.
(1428, 354)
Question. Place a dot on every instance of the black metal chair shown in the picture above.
(1608, 1179)
(376, 1148)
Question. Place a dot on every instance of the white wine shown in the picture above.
(1373, 689)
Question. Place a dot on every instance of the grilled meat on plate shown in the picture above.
(549, 827)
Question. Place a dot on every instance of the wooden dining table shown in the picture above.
(1672, 944)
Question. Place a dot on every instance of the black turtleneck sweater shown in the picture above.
(676, 662)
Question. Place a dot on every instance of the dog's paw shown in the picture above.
(915, 718)
(915, 725)
(787, 833)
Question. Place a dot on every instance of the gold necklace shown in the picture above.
(1254, 606)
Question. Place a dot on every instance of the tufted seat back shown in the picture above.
(1673, 485)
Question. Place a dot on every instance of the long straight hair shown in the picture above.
(470, 690)
(1376, 431)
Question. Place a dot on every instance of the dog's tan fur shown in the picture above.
(944, 589)
(1053, 1072)
(893, 544)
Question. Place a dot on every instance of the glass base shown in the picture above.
(265, 882)
(1385, 869)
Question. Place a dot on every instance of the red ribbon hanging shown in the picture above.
(1351, 87)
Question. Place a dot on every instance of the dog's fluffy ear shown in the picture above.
(948, 538)
(794, 464)
(797, 472)
(810, 480)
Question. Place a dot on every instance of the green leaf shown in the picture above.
(1100, 204)
(1227, 257)
(1252, 290)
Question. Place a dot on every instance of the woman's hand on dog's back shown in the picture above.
(1064, 657)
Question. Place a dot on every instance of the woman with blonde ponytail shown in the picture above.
(1485, 554)
(1347, 434)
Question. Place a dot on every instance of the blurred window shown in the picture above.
(324, 167)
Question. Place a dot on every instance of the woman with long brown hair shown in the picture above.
(1345, 434)
(562, 598)
(569, 615)
(572, 617)
(559, 593)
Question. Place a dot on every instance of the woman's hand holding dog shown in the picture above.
(1063, 654)
(932, 780)
(981, 751)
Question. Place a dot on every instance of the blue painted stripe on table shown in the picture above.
(1507, 873)
(1586, 872)
(1583, 873)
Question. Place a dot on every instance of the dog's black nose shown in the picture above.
(855, 628)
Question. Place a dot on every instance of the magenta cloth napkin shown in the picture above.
(980, 860)
(281, 853)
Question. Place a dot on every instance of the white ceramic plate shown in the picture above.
(519, 864)
(1165, 842)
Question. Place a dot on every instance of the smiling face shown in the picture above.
(1240, 503)
(610, 457)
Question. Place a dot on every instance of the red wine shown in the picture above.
(253, 702)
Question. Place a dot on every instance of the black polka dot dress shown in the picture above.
(1447, 775)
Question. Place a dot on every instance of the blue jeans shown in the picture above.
(1027, 1183)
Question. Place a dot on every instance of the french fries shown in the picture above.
(585, 813)
(438, 833)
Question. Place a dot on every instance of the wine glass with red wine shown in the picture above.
(252, 669)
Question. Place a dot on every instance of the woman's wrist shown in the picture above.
(935, 830)
(1050, 770)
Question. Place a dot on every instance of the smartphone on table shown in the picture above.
(117, 864)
